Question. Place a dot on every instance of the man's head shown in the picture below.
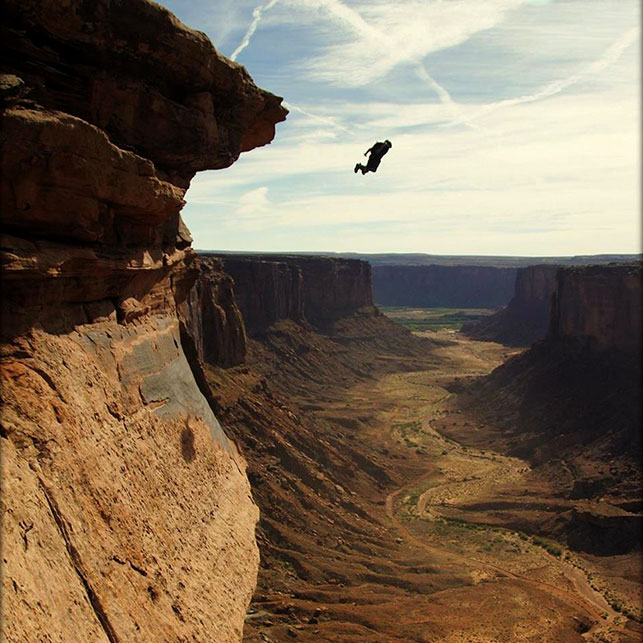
(388, 143)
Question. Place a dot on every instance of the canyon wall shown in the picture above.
(321, 290)
(211, 318)
(599, 306)
(526, 317)
(442, 286)
(127, 514)
(266, 291)
(578, 391)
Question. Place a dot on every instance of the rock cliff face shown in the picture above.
(599, 306)
(321, 290)
(212, 319)
(578, 389)
(448, 286)
(526, 317)
(127, 515)
(266, 291)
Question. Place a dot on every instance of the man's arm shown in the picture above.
(369, 150)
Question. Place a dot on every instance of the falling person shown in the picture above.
(377, 152)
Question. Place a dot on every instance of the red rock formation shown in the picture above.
(212, 317)
(526, 317)
(265, 290)
(437, 286)
(127, 513)
(321, 290)
(599, 306)
(579, 390)
(334, 288)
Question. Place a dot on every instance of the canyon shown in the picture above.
(382, 486)
(228, 447)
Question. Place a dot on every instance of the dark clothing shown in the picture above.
(373, 162)
(377, 152)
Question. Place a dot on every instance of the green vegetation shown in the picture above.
(548, 546)
(422, 319)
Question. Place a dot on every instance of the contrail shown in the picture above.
(445, 98)
(610, 56)
(322, 119)
(256, 18)
(353, 19)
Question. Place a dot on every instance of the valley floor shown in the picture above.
(449, 545)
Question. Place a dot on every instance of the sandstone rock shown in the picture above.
(320, 290)
(126, 518)
(526, 317)
(127, 514)
(266, 290)
(153, 85)
(213, 319)
(579, 388)
(599, 306)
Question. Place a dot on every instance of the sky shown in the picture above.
(515, 127)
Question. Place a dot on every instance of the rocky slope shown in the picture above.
(442, 286)
(127, 514)
(526, 317)
(320, 290)
(316, 483)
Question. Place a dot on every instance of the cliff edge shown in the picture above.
(526, 317)
(318, 289)
(127, 514)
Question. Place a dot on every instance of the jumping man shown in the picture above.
(377, 152)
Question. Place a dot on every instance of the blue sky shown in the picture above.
(515, 127)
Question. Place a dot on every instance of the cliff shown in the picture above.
(599, 307)
(266, 291)
(127, 514)
(577, 393)
(442, 286)
(211, 318)
(526, 317)
(321, 290)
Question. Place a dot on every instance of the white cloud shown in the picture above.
(394, 33)
(609, 57)
(253, 205)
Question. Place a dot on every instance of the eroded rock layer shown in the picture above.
(127, 515)
(526, 317)
(573, 401)
(321, 290)
(266, 290)
(600, 307)
(212, 319)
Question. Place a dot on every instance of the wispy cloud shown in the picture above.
(256, 19)
(396, 33)
(326, 120)
(253, 203)
(609, 57)
(542, 155)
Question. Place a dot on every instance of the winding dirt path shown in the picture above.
(485, 471)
